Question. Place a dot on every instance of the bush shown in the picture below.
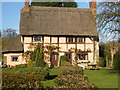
(72, 77)
(102, 62)
(42, 73)
(20, 66)
(116, 60)
(64, 61)
(19, 80)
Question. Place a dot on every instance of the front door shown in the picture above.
(54, 59)
(69, 56)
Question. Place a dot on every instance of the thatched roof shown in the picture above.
(14, 46)
(57, 21)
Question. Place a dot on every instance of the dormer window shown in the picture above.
(37, 38)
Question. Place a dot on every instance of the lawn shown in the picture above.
(103, 78)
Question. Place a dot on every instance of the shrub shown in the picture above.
(30, 63)
(64, 61)
(102, 62)
(116, 60)
(21, 66)
(42, 73)
(72, 77)
(19, 80)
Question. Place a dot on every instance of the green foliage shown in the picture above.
(55, 4)
(41, 72)
(72, 77)
(19, 80)
(20, 66)
(116, 60)
(64, 60)
(30, 63)
(39, 56)
(102, 62)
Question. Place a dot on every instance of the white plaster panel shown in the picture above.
(27, 39)
(54, 39)
(46, 39)
(88, 40)
(80, 46)
(71, 46)
(89, 46)
(62, 47)
(62, 39)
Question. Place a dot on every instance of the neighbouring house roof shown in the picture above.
(14, 46)
(57, 21)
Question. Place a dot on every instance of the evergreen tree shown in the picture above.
(62, 3)
(39, 56)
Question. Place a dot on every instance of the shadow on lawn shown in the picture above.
(52, 77)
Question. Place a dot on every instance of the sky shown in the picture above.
(11, 14)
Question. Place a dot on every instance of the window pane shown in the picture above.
(37, 38)
(14, 58)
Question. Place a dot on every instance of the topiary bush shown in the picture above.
(19, 80)
(116, 61)
(72, 77)
(41, 72)
(64, 60)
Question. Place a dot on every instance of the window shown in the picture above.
(70, 40)
(80, 39)
(37, 38)
(68, 55)
(82, 56)
(14, 58)
(54, 56)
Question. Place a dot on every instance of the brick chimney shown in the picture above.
(93, 7)
(26, 5)
(92, 4)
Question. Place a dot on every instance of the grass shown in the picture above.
(103, 78)
(53, 73)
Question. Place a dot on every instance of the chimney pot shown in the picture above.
(92, 4)
(27, 5)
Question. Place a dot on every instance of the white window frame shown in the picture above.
(38, 37)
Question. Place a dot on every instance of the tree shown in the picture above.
(39, 56)
(62, 3)
(116, 62)
(108, 19)
(9, 33)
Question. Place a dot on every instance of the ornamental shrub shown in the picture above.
(21, 66)
(116, 60)
(72, 77)
(64, 60)
(41, 72)
(19, 80)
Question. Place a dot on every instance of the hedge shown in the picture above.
(19, 80)
(41, 72)
(72, 77)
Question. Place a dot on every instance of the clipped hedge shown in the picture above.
(72, 77)
(41, 72)
(19, 80)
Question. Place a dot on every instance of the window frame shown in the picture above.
(73, 40)
(38, 37)
(14, 60)
(83, 55)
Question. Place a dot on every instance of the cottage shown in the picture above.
(70, 29)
